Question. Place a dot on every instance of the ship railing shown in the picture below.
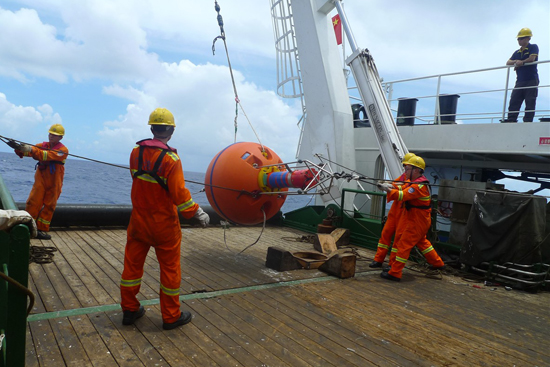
(440, 93)
(14, 273)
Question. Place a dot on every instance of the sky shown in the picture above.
(99, 67)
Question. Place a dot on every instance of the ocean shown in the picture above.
(88, 182)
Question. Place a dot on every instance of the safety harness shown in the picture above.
(153, 143)
(420, 180)
(42, 165)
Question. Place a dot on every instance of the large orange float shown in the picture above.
(246, 179)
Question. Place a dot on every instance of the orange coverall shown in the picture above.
(155, 222)
(414, 224)
(390, 226)
(48, 181)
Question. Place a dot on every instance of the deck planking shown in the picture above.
(362, 321)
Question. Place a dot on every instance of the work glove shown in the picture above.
(14, 145)
(25, 148)
(202, 217)
(384, 186)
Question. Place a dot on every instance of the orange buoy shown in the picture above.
(246, 180)
(236, 177)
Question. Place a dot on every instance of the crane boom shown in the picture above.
(361, 63)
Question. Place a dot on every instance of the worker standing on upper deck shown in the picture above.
(527, 79)
(415, 220)
(394, 214)
(158, 193)
(48, 179)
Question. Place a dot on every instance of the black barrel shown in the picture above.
(406, 110)
(447, 106)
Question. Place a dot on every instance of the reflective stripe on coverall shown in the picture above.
(48, 181)
(394, 214)
(415, 223)
(154, 222)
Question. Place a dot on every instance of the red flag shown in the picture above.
(337, 24)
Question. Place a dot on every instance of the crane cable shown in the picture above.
(237, 100)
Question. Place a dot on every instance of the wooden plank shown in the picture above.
(496, 316)
(95, 279)
(113, 267)
(334, 321)
(118, 347)
(38, 306)
(175, 346)
(79, 295)
(31, 359)
(436, 336)
(68, 343)
(304, 334)
(146, 352)
(237, 317)
(47, 291)
(202, 320)
(47, 351)
(89, 287)
(288, 339)
(92, 342)
(257, 344)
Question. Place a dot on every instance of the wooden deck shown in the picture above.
(248, 315)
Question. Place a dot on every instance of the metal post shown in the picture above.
(345, 24)
(505, 93)
(437, 109)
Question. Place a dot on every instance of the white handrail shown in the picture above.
(543, 108)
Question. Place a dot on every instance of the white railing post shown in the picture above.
(437, 120)
(505, 94)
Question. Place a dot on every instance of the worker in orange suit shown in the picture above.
(158, 194)
(384, 243)
(415, 220)
(48, 179)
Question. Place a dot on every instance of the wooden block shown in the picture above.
(341, 236)
(281, 260)
(341, 265)
(324, 243)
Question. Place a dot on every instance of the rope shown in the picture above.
(41, 254)
(225, 225)
(22, 288)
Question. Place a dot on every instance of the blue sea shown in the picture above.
(88, 182)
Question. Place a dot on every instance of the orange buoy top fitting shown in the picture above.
(239, 173)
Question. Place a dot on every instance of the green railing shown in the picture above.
(14, 276)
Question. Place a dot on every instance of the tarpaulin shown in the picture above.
(505, 227)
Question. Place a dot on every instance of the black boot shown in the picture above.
(375, 264)
(389, 277)
(185, 318)
(41, 235)
(129, 317)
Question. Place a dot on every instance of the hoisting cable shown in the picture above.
(237, 100)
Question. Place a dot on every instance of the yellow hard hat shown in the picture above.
(417, 162)
(57, 129)
(407, 156)
(161, 116)
(524, 32)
